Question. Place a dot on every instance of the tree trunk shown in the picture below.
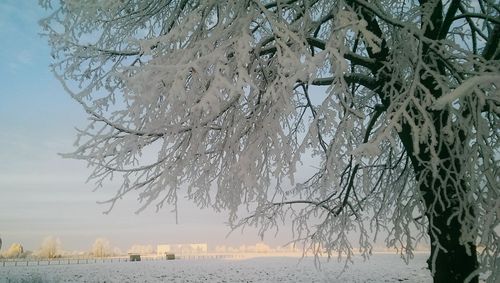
(453, 263)
(450, 260)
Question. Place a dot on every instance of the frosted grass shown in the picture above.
(380, 268)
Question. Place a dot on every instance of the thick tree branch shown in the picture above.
(361, 79)
(448, 20)
(492, 49)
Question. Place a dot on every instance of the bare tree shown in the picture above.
(390, 107)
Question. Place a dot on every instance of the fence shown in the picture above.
(61, 261)
(209, 256)
(89, 260)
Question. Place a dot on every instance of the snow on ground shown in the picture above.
(380, 268)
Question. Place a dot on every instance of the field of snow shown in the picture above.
(380, 268)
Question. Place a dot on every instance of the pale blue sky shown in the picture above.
(42, 194)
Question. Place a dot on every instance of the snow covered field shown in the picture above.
(380, 268)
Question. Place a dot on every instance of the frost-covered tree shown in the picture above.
(50, 247)
(15, 250)
(101, 248)
(374, 116)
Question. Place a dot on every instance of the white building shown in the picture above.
(182, 249)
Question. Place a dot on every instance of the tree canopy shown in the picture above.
(374, 116)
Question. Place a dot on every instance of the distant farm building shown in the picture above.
(134, 257)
